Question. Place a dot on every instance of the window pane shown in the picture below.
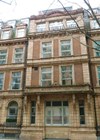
(65, 47)
(33, 111)
(16, 80)
(82, 119)
(46, 76)
(71, 24)
(48, 103)
(57, 25)
(18, 56)
(46, 83)
(97, 52)
(66, 75)
(48, 120)
(82, 112)
(3, 55)
(94, 24)
(12, 112)
(41, 27)
(48, 115)
(46, 49)
(5, 34)
(20, 32)
(98, 72)
(57, 113)
(56, 103)
(65, 103)
(66, 119)
(1, 80)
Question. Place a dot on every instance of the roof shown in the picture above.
(56, 13)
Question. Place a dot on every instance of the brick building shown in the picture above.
(50, 77)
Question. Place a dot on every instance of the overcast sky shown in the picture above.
(25, 8)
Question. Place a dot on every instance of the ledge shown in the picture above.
(13, 40)
(65, 31)
(69, 89)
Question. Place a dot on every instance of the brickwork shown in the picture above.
(56, 47)
(36, 48)
(76, 46)
(78, 74)
(81, 107)
(35, 76)
(83, 48)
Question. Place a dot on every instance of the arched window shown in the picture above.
(12, 112)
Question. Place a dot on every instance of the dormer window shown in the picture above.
(41, 27)
(5, 35)
(1, 24)
(57, 25)
(94, 24)
(71, 24)
(11, 23)
(20, 33)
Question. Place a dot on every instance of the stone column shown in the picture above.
(28, 76)
(86, 76)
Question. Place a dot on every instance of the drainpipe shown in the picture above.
(87, 35)
(91, 83)
(24, 81)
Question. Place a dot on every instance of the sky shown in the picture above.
(25, 8)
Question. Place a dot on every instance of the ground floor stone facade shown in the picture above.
(50, 117)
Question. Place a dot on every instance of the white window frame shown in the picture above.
(41, 50)
(5, 56)
(40, 75)
(40, 27)
(17, 77)
(71, 24)
(71, 51)
(20, 32)
(2, 80)
(5, 34)
(73, 79)
(56, 25)
(19, 60)
(52, 108)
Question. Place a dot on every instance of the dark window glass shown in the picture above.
(82, 112)
(56, 103)
(65, 103)
(48, 103)
(33, 111)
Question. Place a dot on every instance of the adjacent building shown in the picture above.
(50, 76)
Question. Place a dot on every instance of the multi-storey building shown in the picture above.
(50, 79)
(13, 43)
